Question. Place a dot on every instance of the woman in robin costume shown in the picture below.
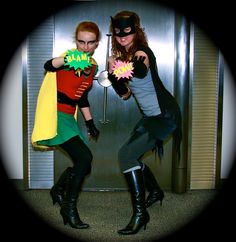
(63, 90)
(161, 113)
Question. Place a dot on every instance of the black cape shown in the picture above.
(167, 102)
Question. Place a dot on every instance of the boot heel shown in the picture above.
(54, 200)
(65, 219)
(145, 226)
(146, 222)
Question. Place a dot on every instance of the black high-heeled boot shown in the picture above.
(155, 192)
(57, 191)
(69, 210)
(140, 216)
(71, 216)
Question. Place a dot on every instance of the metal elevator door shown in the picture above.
(121, 116)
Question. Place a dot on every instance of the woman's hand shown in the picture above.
(93, 132)
(126, 95)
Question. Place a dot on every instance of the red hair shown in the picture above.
(89, 27)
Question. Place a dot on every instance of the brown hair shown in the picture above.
(89, 27)
(139, 37)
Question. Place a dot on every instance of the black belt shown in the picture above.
(63, 98)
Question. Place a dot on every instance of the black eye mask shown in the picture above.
(121, 24)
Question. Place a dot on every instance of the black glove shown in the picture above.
(92, 130)
(140, 69)
(118, 85)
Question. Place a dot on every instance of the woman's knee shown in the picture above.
(87, 161)
(88, 156)
(88, 168)
(84, 163)
(83, 167)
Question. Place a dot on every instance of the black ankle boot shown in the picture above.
(69, 210)
(140, 216)
(155, 192)
(57, 191)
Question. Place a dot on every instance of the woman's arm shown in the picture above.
(86, 113)
(93, 132)
(84, 106)
(54, 64)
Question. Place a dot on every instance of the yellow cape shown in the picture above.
(45, 123)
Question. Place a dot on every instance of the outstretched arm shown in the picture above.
(54, 64)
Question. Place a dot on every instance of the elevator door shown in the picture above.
(121, 116)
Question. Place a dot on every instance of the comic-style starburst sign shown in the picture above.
(122, 69)
(76, 59)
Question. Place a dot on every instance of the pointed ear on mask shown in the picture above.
(112, 21)
(132, 18)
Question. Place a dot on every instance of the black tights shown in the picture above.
(80, 155)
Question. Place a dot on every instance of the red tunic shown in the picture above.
(73, 86)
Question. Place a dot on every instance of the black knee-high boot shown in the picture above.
(140, 216)
(155, 192)
(69, 210)
(57, 191)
